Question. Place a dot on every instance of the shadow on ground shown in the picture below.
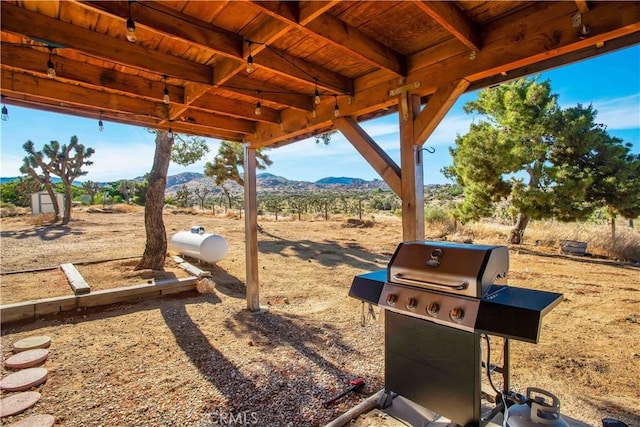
(43, 233)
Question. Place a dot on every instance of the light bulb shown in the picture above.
(316, 98)
(258, 109)
(131, 30)
(336, 110)
(51, 71)
(100, 125)
(5, 113)
(170, 134)
(165, 98)
(250, 64)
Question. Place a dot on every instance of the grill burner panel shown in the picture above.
(437, 307)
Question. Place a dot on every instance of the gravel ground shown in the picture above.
(203, 360)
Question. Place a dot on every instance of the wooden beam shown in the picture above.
(343, 36)
(309, 10)
(583, 7)
(24, 22)
(367, 147)
(26, 58)
(174, 24)
(236, 108)
(218, 121)
(76, 281)
(412, 177)
(439, 104)
(246, 86)
(80, 96)
(455, 21)
(251, 230)
(297, 69)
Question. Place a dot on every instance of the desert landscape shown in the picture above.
(199, 359)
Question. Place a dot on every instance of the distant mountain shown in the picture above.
(266, 183)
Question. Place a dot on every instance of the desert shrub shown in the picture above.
(359, 223)
(10, 210)
(41, 219)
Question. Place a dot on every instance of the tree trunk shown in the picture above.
(613, 228)
(54, 200)
(66, 216)
(156, 246)
(517, 232)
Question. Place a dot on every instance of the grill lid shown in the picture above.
(456, 268)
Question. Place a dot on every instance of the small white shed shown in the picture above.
(41, 202)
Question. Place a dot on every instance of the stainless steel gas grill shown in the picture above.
(439, 299)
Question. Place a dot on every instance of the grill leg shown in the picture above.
(386, 399)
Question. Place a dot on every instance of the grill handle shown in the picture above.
(399, 277)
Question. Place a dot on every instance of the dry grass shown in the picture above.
(626, 246)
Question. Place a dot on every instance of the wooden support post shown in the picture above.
(251, 229)
(412, 180)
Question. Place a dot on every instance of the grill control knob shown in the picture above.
(411, 303)
(456, 314)
(392, 299)
(433, 308)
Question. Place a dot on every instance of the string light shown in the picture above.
(165, 98)
(336, 109)
(249, 60)
(258, 106)
(51, 71)
(316, 93)
(131, 26)
(100, 124)
(5, 112)
(170, 133)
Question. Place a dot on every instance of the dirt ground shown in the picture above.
(205, 360)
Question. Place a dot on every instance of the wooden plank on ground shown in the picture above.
(76, 281)
(55, 305)
(181, 285)
(17, 311)
(122, 294)
(192, 269)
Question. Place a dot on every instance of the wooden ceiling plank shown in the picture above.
(455, 21)
(24, 22)
(300, 70)
(311, 9)
(347, 37)
(344, 37)
(174, 24)
(32, 60)
(379, 160)
(437, 107)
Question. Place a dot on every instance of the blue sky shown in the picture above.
(610, 82)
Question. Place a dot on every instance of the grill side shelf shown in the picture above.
(368, 287)
(516, 313)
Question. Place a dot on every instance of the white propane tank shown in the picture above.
(197, 244)
(539, 412)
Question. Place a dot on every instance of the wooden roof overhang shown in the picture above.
(355, 53)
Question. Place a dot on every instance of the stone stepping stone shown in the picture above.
(35, 421)
(41, 341)
(24, 379)
(27, 358)
(16, 403)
